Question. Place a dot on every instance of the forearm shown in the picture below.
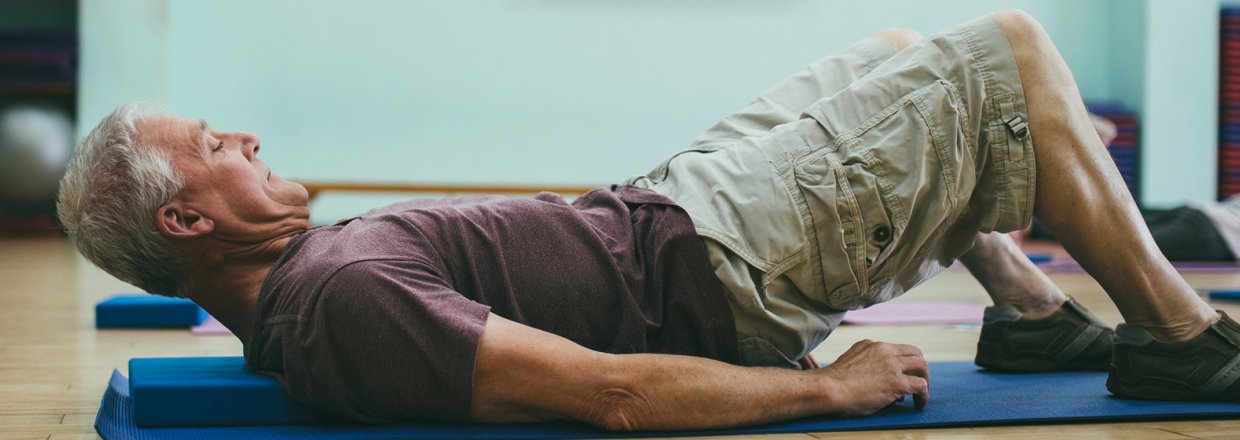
(516, 382)
(681, 392)
(523, 374)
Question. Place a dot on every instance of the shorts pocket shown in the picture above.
(896, 168)
(855, 231)
(875, 229)
(1012, 166)
(1009, 134)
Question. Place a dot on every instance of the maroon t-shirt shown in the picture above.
(378, 317)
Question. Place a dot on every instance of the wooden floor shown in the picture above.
(54, 365)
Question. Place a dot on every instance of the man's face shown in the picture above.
(224, 180)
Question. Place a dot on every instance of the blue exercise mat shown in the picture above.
(961, 395)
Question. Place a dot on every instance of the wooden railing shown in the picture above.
(317, 187)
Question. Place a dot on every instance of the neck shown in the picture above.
(227, 284)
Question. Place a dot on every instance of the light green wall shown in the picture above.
(1180, 101)
(501, 91)
(123, 56)
(1126, 48)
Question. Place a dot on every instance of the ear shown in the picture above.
(178, 222)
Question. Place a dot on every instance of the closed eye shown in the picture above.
(218, 147)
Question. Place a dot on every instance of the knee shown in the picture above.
(899, 38)
(1022, 30)
(1016, 19)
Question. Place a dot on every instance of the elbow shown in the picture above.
(618, 398)
(615, 409)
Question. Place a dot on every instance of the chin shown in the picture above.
(289, 193)
(302, 193)
(290, 187)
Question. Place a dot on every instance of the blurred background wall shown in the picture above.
(582, 92)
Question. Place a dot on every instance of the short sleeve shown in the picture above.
(390, 340)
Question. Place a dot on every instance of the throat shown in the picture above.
(230, 294)
(224, 277)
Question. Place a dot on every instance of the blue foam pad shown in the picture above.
(208, 391)
(147, 311)
(961, 396)
(1038, 257)
(1107, 108)
(1225, 294)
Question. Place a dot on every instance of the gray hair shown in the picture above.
(112, 188)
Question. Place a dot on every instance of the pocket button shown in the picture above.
(881, 234)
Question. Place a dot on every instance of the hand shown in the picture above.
(872, 375)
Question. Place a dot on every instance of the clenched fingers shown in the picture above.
(916, 375)
(919, 387)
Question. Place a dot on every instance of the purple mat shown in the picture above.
(1181, 266)
(210, 326)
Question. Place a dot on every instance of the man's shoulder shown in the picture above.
(327, 249)
(362, 258)
(324, 259)
(437, 204)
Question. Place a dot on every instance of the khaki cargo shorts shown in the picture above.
(855, 180)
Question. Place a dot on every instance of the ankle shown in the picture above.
(1182, 329)
(1039, 307)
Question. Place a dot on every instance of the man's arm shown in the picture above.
(525, 374)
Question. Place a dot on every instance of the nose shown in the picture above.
(249, 145)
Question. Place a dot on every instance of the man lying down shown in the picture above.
(683, 298)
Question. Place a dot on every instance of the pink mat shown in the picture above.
(210, 326)
(1180, 266)
(909, 313)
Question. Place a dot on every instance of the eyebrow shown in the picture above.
(202, 131)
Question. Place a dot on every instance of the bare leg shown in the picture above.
(1082, 200)
(899, 38)
(1010, 278)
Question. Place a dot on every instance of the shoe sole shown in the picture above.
(1149, 391)
(1006, 360)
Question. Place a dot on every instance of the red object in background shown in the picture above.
(1229, 102)
(41, 226)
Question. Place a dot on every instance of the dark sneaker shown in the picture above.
(1069, 339)
(1206, 367)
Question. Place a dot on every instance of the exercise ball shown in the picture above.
(35, 143)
